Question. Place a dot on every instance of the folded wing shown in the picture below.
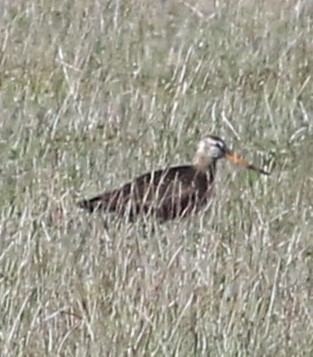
(167, 194)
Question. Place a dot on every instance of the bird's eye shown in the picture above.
(220, 145)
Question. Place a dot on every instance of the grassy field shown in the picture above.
(94, 93)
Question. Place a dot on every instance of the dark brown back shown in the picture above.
(167, 194)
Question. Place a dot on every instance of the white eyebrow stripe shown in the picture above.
(220, 144)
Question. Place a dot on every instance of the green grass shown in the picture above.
(93, 94)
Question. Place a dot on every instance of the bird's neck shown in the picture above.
(205, 164)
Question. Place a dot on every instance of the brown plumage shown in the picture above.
(170, 193)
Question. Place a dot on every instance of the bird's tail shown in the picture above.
(107, 201)
(90, 205)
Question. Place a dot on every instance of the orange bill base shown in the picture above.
(244, 163)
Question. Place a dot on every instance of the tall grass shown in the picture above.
(94, 93)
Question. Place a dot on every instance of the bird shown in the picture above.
(173, 192)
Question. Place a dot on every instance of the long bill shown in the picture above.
(231, 156)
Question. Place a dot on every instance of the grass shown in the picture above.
(95, 93)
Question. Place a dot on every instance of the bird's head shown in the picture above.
(213, 148)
